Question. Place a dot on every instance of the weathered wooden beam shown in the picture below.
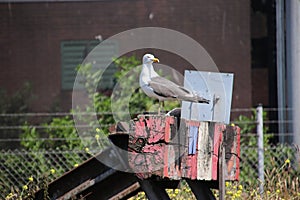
(126, 191)
(221, 171)
(231, 142)
(87, 178)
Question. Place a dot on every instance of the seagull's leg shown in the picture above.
(158, 108)
(163, 106)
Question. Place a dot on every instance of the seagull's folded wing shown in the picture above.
(166, 88)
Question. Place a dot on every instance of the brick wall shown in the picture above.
(31, 33)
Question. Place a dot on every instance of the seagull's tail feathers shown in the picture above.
(194, 98)
(202, 100)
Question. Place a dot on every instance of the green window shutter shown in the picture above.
(74, 52)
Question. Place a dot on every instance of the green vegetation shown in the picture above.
(103, 104)
(18, 102)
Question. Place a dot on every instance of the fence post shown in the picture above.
(260, 142)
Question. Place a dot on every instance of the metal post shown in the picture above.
(281, 84)
(293, 62)
(260, 142)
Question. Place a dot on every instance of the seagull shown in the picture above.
(161, 88)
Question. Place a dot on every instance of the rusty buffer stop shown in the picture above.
(158, 147)
(195, 142)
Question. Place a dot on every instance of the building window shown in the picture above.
(73, 53)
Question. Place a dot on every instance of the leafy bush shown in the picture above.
(15, 103)
(63, 127)
(59, 133)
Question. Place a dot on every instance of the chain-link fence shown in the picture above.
(18, 166)
(266, 145)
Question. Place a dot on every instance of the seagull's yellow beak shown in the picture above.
(155, 60)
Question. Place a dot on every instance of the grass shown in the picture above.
(281, 183)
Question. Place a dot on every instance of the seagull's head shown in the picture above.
(149, 59)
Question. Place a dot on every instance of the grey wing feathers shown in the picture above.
(168, 89)
(163, 81)
(165, 89)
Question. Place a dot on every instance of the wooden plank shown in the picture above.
(185, 166)
(221, 171)
(217, 129)
(149, 150)
(126, 192)
(238, 148)
(171, 166)
(173, 150)
(149, 162)
(167, 156)
(205, 148)
(169, 122)
(156, 126)
(232, 141)
(189, 161)
(203, 165)
(193, 159)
